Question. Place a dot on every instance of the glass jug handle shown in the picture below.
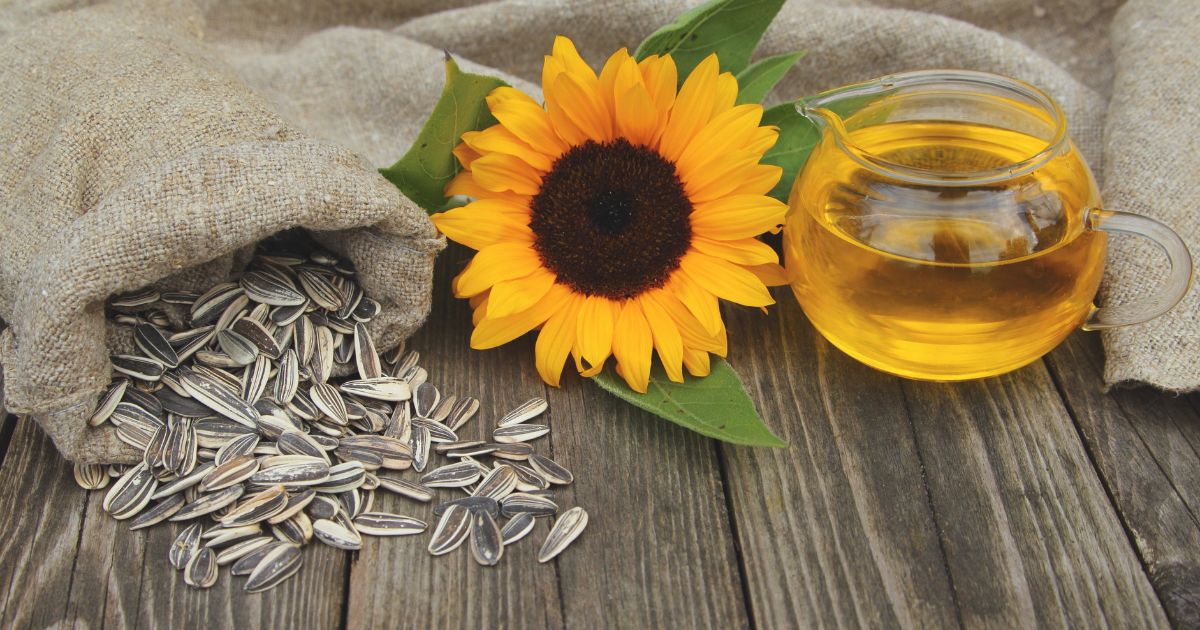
(1167, 295)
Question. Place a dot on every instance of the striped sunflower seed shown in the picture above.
(380, 388)
(566, 529)
(519, 433)
(245, 565)
(140, 368)
(158, 512)
(463, 410)
(329, 401)
(134, 299)
(524, 412)
(239, 349)
(452, 476)
(237, 550)
(232, 472)
(257, 508)
(209, 503)
(365, 355)
(452, 529)
(337, 534)
(151, 341)
(524, 503)
(414, 491)
(277, 564)
(201, 569)
(550, 470)
(517, 528)
(497, 484)
(287, 380)
(238, 446)
(108, 402)
(486, 544)
(186, 543)
(300, 471)
(91, 476)
(473, 503)
(385, 524)
(130, 493)
(265, 288)
(257, 334)
(425, 397)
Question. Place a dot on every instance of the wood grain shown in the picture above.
(657, 552)
(836, 530)
(1145, 445)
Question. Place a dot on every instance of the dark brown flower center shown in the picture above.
(611, 219)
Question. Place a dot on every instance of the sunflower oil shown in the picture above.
(943, 282)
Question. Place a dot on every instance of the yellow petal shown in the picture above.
(759, 180)
(555, 341)
(726, 93)
(491, 332)
(772, 274)
(661, 78)
(582, 106)
(692, 110)
(636, 117)
(701, 303)
(606, 85)
(594, 336)
(737, 217)
(564, 50)
(762, 139)
(667, 340)
(476, 227)
(710, 184)
(725, 279)
(743, 251)
(518, 294)
(559, 117)
(697, 362)
(499, 172)
(526, 119)
(498, 139)
(724, 133)
(496, 263)
(465, 154)
(632, 345)
(693, 334)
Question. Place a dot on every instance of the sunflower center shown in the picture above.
(611, 219)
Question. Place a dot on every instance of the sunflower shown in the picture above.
(615, 216)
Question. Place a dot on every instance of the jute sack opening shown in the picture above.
(133, 157)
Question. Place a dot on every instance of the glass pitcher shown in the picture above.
(946, 228)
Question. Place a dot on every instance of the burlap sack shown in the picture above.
(132, 156)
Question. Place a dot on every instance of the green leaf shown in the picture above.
(424, 171)
(730, 28)
(716, 406)
(759, 77)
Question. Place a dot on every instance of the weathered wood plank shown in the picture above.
(657, 552)
(58, 541)
(1145, 445)
(836, 530)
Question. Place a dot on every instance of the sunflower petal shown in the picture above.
(667, 340)
(527, 120)
(478, 228)
(725, 279)
(499, 172)
(692, 110)
(771, 274)
(518, 294)
(554, 342)
(636, 117)
(633, 345)
(496, 263)
(498, 139)
(737, 216)
(725, 132)
(594, 336)
(491, 332)
(702, 304)
(661, 77)
(697, 362)
(743, 251)
(759, 180)
(582, 106)
(721, 178)
(465, 154)
(608, 78)
(564, 50)
(693, 334)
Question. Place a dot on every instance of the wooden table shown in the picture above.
(1030, 499)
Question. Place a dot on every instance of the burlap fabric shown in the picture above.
(362, 74)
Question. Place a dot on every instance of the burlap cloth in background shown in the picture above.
(362, 74)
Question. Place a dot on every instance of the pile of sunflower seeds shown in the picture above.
(248, 439)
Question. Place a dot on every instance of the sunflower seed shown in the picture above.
(408, 489)
(219, 398)
(257, 508)
(329, 401)
(179, 448)
(245, 565)
(137, 367)
(452, 529)
(232, 472)
(566, 529)
(452, 476)
(438, 432)
(297, 529)
(108, 402)
(336, 534)
(267, 289)
(130, 493)
(425, 397)
(527, 478)
(236, 309)
(209, 503)
(517, 528)
(526, 411)
(299, 443)
(475, 504)
(254, 378)
(517, 451)
(158, 513)
(185, 545)
(238, 446)
(519, 433)
(209, 306)
(393, 454)
(497, 484)
(320, 290)
(296, 502)
(239, 349)
(365, 355)
(523, 503)
(215, 432)
(486, 545)
(288, 377)
(134, 299)
(185, 298)
(237, 550)
(257, 334)
(188, 343)
(366, 310)
(550, 470)
(418, 445)
(221, 535)
(151, 341)
(180, 405)
(353, 502)
(91, 476)
(381, 388)
(180, 484)
(201, 569)
(299, 471)
(463, 410)
(415, 377)
(276, 565)
(342, 477)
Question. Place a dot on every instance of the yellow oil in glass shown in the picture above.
(943, 282)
